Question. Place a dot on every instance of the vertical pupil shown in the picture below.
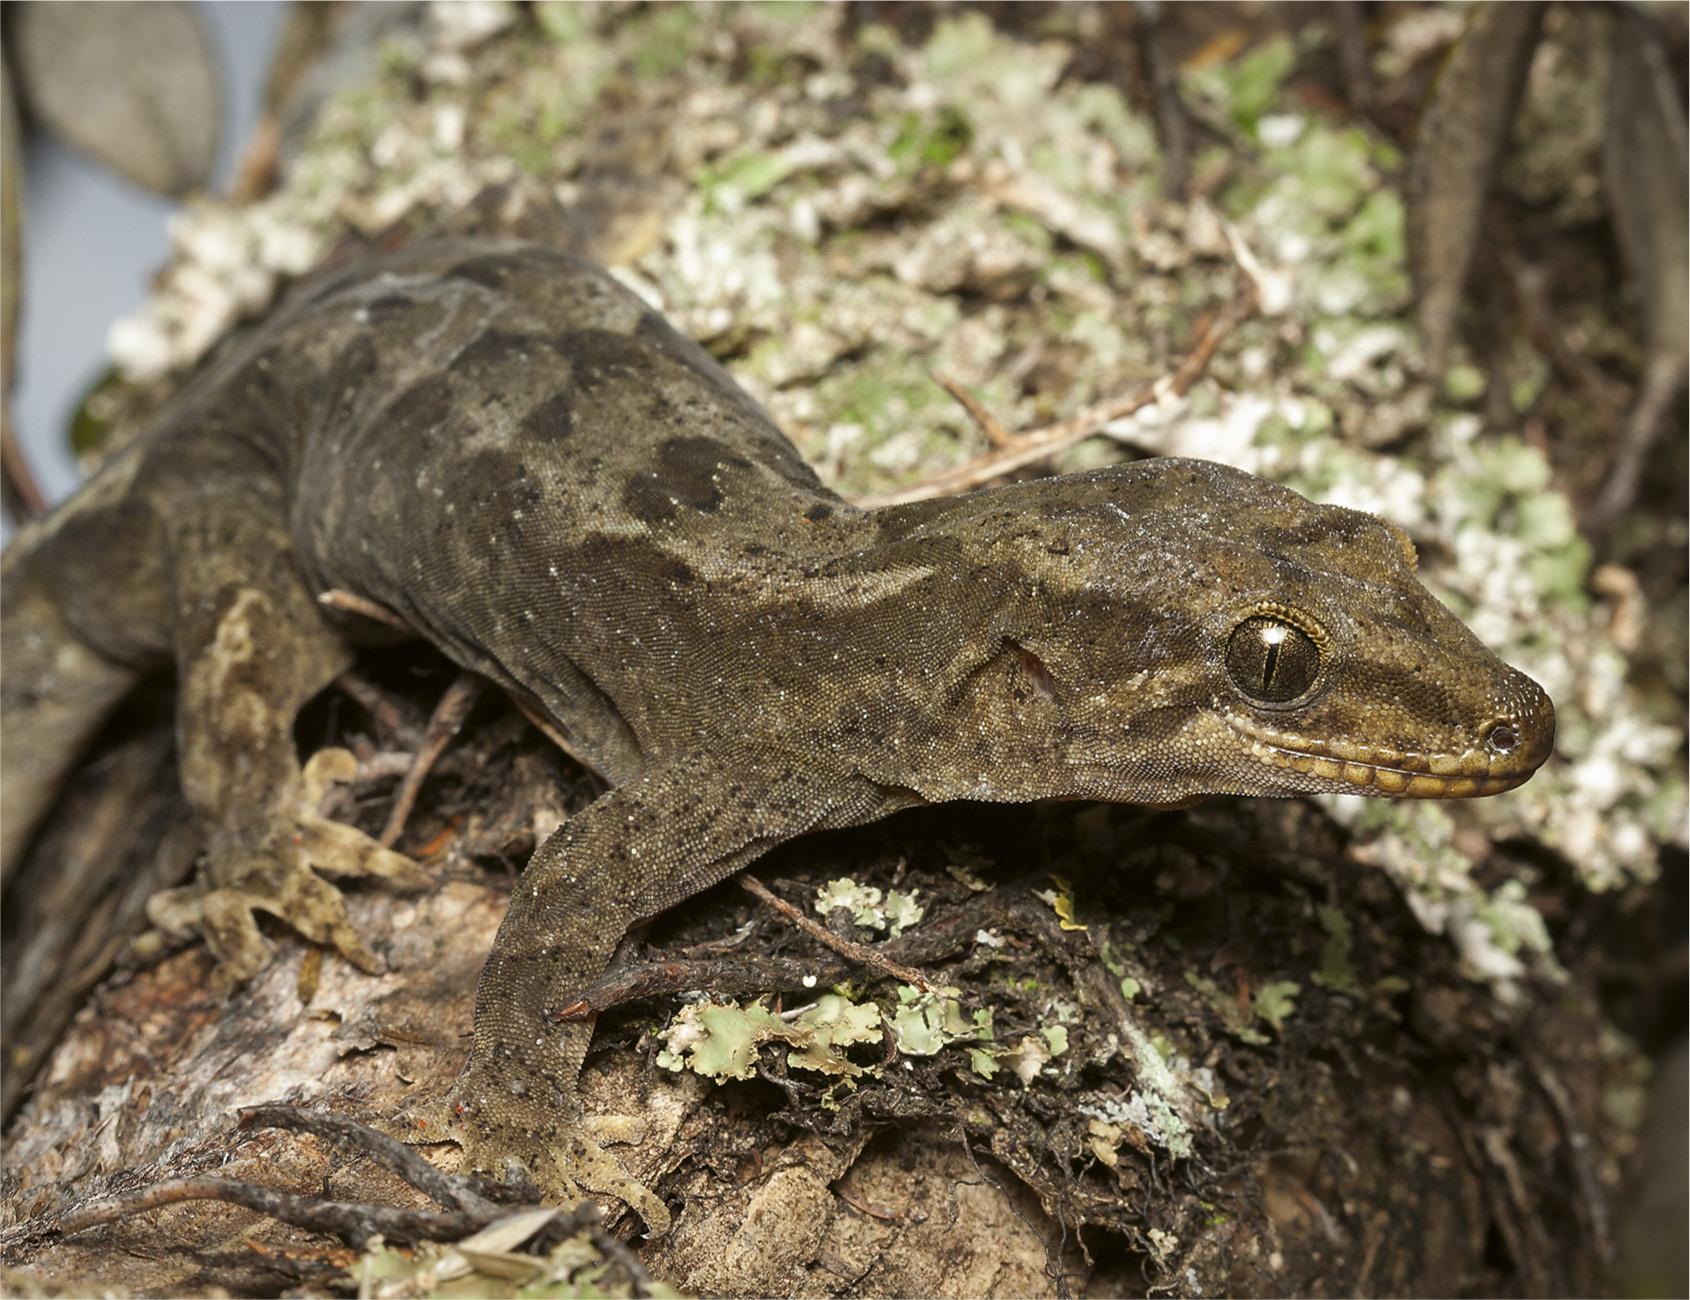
(1270, 660)
(1273, 641)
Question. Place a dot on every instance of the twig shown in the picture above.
(547, 728)
(843, 1189)
(448, 719)
(22, 494)
(937, 939)
(349, 1220)
(984, 420)
(354, 1222)
(389, 715)
(1039, 444)
(1590, 1195)
(1661, 380)
(1173, 123)
(348, 603)
(388, 1152)
(854, 951)
(1528, 287)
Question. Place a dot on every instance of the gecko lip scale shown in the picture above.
(1410, 776)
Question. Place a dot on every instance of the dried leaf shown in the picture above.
(1458, 145)
(132, 85)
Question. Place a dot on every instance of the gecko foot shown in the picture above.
(558, 1155)
(279, 876)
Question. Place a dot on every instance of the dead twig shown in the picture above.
(1025, 449)
(355, 1222)
(447, 721)
(843, 1189)
(388, 1152)
(348, 603)
(348, 1220)
(937, 939)
(1591, 1198)
(984, 420)
(853, 951)
(392, 717)
(19, 490)
(1662, 379)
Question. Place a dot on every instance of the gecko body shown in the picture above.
(512, 454)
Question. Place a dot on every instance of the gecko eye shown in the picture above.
(1270, 660)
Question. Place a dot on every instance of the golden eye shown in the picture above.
(1270, 660)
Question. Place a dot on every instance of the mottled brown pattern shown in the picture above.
(504, 447)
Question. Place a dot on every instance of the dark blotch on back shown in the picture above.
(636, 560)
(598, 353)
(818, 512)
(551, 419)
(658, 335)
(686, 474)
(356, 363)
(688, 467)
(351, 378)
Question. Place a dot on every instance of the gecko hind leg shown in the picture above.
(283, 881)
(252, 647)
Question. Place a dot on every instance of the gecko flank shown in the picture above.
(507, 450)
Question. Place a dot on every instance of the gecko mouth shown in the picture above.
(1370, 769)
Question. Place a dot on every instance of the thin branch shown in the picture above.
(348, 1220)
(388, 1152)
(18, 487)
(351, 1221)
(393, 718)
(348, 603)
(1039, 444)
(853, 951)
(448, 719)
(983, 419)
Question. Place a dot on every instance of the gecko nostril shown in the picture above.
(1503, 738)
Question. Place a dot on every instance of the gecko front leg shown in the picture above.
(637, 851)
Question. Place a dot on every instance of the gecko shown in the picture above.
(511, 454)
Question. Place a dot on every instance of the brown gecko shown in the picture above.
(509, 452)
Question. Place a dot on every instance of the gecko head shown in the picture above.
(1208, 632)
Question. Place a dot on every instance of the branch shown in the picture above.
(1021, 450)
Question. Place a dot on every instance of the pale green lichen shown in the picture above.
(1270, 1004)
(892, 911)
(925, 1023)
(1275, 1002)
(721, 1040)
(1335, 973)
(1172, 1098)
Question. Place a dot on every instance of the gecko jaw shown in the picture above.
(1367, 769)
